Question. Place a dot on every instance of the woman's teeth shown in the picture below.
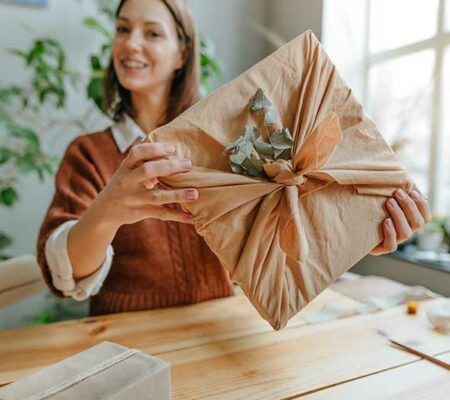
(133, 64)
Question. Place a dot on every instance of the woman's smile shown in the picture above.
(131, 66)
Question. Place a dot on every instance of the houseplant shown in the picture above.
(20, 146)
(434, 235)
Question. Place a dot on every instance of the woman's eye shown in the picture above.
(121, 29)
(153, 34)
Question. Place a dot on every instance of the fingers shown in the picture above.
(401, 224)
(147, 151)
(410, 210)
(389, 243)
(408, 214)
(390, 236)
(422, 205)
(156, 197)
(148, 172)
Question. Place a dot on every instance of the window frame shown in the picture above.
(439, 43)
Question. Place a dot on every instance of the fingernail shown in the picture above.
(415, 195)
(191, 194)
(392, 203)
(186, 164)
(423, 196)
(168, 148)
(401, 194)
(389, 223)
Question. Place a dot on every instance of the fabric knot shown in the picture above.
(282, 172)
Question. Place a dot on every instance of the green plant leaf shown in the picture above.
(238, 157)
(44, 317)
(5, 155)
(260, 101)
(265, 150)
(5, 241)
(95, 24)
(270, 117)
(8, 196)
(281, 139)
(95, 92)
(254, 166)
(95, 63)
(237, 169)
(283, 154)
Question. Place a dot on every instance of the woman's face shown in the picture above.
(145, 49)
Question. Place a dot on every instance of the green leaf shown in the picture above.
(95, 63)
(19, 53)
(283, 154)
(251, 133)
(209, 67)
(5, 241)
(43, 69)
(260, 101)
(95, 24)
(265, 150)
(237, 169)
(8, 196)
(5, 155)
(61, 60)
(270, 117)
(238, 158)
(254, 166)
(95, 92)
(281, 139)
(44, 317)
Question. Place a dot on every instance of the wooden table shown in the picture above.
(222, 349)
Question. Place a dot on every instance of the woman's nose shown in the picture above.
(134, 41)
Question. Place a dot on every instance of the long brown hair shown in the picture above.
(185, 84)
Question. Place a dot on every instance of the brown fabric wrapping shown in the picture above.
(286, 239)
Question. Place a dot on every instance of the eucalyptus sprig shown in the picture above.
(249, 153)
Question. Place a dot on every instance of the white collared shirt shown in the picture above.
(125, 133)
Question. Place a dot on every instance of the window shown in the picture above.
(395, 54)
(446, 122)
(447, 18)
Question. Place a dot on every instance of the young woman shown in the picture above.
(111, 232)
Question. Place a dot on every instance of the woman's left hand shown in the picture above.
(408, 213)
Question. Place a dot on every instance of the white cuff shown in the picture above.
(61, 268)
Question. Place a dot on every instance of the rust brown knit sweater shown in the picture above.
(156, 263)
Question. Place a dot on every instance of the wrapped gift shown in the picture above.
(105, 371)
(292, 176)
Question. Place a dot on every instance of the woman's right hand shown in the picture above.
(132, 195)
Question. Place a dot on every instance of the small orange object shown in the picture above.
(411, 307)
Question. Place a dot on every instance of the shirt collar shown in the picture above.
(126, 132)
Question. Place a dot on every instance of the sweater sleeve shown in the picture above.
(77, 183)
(61, 269)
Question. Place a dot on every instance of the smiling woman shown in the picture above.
(109, 231)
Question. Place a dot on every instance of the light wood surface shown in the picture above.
(222, 349)
(417, 380)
